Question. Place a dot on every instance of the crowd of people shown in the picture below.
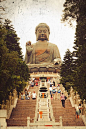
(27, 95)
(55, 93)
(34, 82)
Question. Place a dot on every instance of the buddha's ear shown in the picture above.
(36, 37)
(48, 38)
(48, 35)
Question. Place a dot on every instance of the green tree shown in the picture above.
(7, 67)
(11, 39)
(67, 70)
(80, 54)
(13, 71)
(75, 10)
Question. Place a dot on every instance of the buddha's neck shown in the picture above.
(45, 42)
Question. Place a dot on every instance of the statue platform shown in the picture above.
(45, 67)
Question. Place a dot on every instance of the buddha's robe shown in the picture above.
(42, 53)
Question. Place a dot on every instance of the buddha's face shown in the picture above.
(42, 34)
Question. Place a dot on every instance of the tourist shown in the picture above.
(25, 93)
(80, 107)
(36, 83)
(32, 84)
(34, 95)
(50, 89)
(62, 99)
(29, 93)
(22, 96)
(27, 97)
(58, 94)
(53, 92)
(51, 83)
(78, 110)
(54, 83)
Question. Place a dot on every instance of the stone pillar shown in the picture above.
(77, 97)
(28, 122)
(60, 120)
(72, 96)
(3, 116)
(2, 106)
(66, 93)
(19, 95)
(71, 91)
(84, 108)
(79, 101)
(14, 94)
(74, 99)
(7, 103)
(10, 100)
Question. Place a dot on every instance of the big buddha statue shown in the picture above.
(42, 53)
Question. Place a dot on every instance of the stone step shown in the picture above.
(23, 109)
(67, 113)
(17, 122)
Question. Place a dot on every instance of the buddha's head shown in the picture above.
(42, 32)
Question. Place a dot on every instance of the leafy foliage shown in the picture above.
(75, 9)
(11, 38)
(13, 71)
(67, 70)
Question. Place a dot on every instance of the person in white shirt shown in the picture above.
(22, 96)
(50, 89)
(33, 95)
(29, 93)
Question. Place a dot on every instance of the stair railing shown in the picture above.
(75, 101)
(10, 104)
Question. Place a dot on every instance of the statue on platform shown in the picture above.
(42, 51)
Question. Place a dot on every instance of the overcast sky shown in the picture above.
(27, 14)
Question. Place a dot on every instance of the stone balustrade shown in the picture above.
(63, 90)
(75, 101)
(51, 110)
(10, 103)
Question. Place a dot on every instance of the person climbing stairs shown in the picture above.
(68, 113)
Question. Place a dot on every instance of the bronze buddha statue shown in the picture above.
(42, 52)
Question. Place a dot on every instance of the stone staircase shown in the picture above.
(67, 113)
(31, 108)
(24, 109)
(43, 106)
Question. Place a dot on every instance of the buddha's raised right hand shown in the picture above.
(29, 49)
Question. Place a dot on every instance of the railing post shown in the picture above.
(2, 106)
(28, 122)
(74, 99)
(14, 94)
(7, 103)
(84, 108)
(3, 116)
(60, 118)
(10, 100)
(19, 95)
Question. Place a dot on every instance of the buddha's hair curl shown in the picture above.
(42, 25)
